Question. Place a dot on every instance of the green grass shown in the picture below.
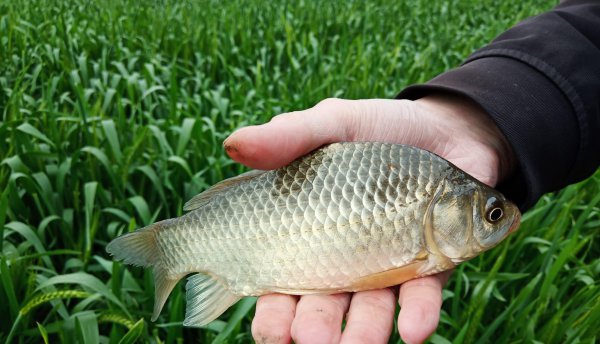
(113, 114)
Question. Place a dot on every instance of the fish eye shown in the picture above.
(495, 214)
(494, 210)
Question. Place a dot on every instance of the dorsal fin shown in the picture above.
(203, 198)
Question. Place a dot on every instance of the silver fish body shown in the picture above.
(347, 217)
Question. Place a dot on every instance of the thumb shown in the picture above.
(291, 135)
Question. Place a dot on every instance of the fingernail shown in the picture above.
(229, 148)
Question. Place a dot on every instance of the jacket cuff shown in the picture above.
(530, 111)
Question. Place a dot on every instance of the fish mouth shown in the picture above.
(516, 222)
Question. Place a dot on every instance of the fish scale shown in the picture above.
(327, 243)
(347, 217)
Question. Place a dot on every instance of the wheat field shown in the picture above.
(113, 115)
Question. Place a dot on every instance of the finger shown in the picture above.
(319, 318)
(273, 319)
(294, 134)
(286, 137)
(370, 318)
(420, 303)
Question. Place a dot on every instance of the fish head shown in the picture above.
(494, 217)
(471, 218)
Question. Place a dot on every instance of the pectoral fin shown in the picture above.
(389, 278)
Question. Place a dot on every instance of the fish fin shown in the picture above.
(136, 248)
(434, 264)
(163, 286)
(422, 255)
(141, 248)
(202, 199)
(389, 278)
(206, 299)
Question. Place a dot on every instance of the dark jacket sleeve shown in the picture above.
(540, 83)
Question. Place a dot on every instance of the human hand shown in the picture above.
(449, 126)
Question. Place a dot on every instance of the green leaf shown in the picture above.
(7, 284)
(31, 237)
(438, 339)
(43, 333)
(141, 208)
(108, 97)
(34, 132)
(522, 298)
(185, 133)
(241, 310)
(100, 156)
(88, 281)
(181, 162)
(89, 193)
(134, 333)
(3, 209)
(113, 138)
(151, 174)
(128, 281)
(152, 89)
(45, 189)
(105, 163)
(46, 222)
(160, 137)
(123, 216)
(16, 164)
(86, 324)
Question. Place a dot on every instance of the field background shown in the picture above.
(113, 114)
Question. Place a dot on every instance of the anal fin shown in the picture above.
(163, 285)
(206, 299)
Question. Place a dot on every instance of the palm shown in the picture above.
(463, 135)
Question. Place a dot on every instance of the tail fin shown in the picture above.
(140, 248)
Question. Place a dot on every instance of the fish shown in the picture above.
(348, 217)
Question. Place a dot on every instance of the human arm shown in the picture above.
(540, 84)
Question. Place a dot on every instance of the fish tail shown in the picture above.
(141, 248)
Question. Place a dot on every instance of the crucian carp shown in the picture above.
(344, 218)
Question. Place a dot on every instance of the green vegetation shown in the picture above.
(113, 114)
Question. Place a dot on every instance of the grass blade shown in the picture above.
(43, 333)
(88, 281)
(34, 132)
(134, 333)
(241, 309)
(9, 289)
(86, 324)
